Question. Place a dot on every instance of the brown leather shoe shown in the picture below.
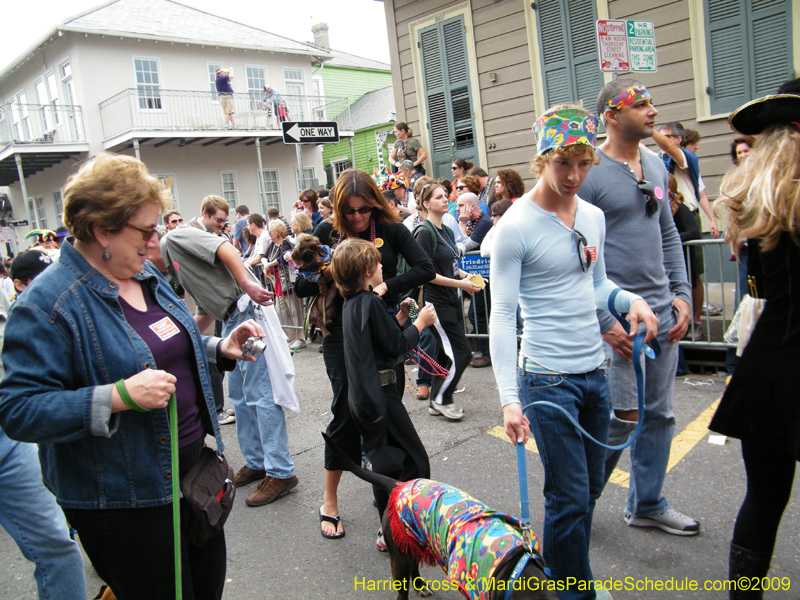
(423, 392)
(270, 490)
(479, 363)
(246, 475)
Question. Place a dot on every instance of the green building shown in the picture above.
(367, 84)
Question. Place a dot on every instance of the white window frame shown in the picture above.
(70, 91)
(159, 86)
(58, 204)
(48, 102)
(253, 93)
(334, 161)
(263, 194)
(235, 189)
(319, 91)
(20, 116)
(293, 106)
(297, 176)
(213, 81)
(176, 205)
(41, 211)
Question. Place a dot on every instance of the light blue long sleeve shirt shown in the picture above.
(535, 263)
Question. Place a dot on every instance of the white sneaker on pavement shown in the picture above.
(297, 345)
(670, 521)
(448, 411)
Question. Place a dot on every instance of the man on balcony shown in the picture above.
(225, 91)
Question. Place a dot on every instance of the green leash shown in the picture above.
(176, 494)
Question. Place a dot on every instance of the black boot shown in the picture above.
(751, 566)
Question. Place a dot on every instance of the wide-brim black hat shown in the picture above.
(758, 115)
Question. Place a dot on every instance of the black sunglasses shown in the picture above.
(651, 206)
(176, 221)
(462, 187)
(584, 254)
(364, 210)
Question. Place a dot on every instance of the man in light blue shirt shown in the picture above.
(548, 257)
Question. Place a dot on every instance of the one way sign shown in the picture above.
(302, 132)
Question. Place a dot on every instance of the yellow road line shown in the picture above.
(681, 443)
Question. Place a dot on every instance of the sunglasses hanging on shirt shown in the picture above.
(647, 189)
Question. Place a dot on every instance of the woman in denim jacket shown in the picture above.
(93, 350)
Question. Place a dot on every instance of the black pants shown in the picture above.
(342, 428)
(452, 351)
(132, 550)
(770, 476)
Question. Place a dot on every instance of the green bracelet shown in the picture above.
(127, 399)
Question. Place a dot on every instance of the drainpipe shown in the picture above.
(260, 175)
(18, 159)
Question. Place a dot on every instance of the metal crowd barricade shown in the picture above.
(719, 282)
(291, 309)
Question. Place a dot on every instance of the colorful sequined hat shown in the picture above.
(392, 182)
(758, 115)
(564, 127)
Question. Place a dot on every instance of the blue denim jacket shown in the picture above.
(66, 343)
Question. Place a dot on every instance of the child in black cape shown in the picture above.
(373, 339)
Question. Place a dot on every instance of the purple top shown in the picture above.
(224, 84)
(170, 344)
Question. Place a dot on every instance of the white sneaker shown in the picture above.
(670, 521)
(297, 345)
(448, 411)
(224, 418)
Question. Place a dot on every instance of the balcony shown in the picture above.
(39, 135)
(149, 113)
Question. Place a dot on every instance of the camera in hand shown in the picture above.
(253, 345)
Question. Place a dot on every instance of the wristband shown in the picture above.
(127, 399)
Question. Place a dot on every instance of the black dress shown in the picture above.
(396, 240)
(373, 339)
(762, 402)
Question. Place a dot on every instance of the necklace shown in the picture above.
(450, 243)
(376, 241)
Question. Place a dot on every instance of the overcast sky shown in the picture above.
(356, 26)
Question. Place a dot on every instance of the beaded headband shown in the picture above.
(564, 127)
(626, 98)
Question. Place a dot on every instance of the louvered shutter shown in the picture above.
(749, 50)
(445, 71)
(726, 43)
(569, 51)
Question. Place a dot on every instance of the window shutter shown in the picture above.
(772, 50)
(749, 50)
(433, 72)
(569, 51)
(458, 80)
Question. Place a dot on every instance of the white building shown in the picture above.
(137, 77)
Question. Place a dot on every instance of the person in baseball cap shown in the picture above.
(27, 266)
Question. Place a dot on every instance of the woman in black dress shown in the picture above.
(359, 210)
(760, 405)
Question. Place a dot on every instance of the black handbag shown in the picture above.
(208, 490)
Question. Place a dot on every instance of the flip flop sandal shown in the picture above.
(334, 521)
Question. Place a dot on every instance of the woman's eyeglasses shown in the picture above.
(651, 206)
(584, 254)
(146, 233)
(461, 188)
(454, 168)
(364, 210)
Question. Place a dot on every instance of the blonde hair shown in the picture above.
(763, 193)
(421, 183)
(302, 220)
(278, 227)
(350, 263)
(108, 191)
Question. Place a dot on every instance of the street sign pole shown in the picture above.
(299, 150)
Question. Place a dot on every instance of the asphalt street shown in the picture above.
(277, 552)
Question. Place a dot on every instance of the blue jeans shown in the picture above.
(30, 515)
(260, 423)
(573, 466)
(650, 451)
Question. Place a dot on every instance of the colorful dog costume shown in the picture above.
(439, 524)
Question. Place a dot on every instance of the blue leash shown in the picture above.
(652, 351)
(639, 347)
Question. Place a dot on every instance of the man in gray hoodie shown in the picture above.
(644, 256)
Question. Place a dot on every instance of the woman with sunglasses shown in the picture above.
(548, 258)
(359, 210)
(96, 400)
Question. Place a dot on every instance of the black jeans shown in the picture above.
(132, 550)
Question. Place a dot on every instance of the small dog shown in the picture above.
(311, 258)
(478, 548)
